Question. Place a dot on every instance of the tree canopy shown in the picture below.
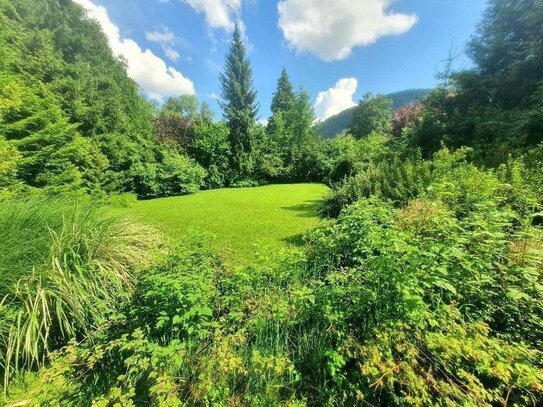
(372, 115)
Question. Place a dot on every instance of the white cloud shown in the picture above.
(156, 78)
(166, 39)
(213, 95)
(162, 37)
(336, 99)
(172, 54)
(330, 29)
(263, 122)
(218, 13)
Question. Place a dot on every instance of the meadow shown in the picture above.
(240, 222)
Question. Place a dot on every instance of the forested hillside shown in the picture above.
(422, 284)
(340, 122)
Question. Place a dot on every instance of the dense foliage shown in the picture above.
(239, 104)
(496, 107)
(340, 123)
(73, 118)
(437, 301)
(424, 287)
(373, 115)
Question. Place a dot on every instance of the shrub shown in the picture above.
(412, 297)
(396, 180)
(9, 157)
(175, 174)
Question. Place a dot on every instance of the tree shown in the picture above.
(282, 102)
(174, 129)
(406, 117)
(239, 102)
(300, 119)
(494, 107)
(284, 96)
(508, 48)
(373, 115)
(211, 150)
(177, 121)
(186, 106)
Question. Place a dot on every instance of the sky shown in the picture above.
(337, 50)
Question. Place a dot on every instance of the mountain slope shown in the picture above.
(340, 122)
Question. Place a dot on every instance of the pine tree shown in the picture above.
(239, 102)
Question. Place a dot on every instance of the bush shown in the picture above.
(405, 291)
(175, 174)
(211, 150)
(396, 180)
(447, 176)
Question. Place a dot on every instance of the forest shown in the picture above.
(418, 279)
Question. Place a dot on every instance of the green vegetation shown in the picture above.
(373, 115)
(423, 287)
(437, 301)
(66, 282)
(341, 122)
(244, 221)
(240, 107)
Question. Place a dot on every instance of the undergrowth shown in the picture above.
(436, 301)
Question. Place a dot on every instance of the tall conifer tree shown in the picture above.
(283, 98)
(282, 102)
(239, 101)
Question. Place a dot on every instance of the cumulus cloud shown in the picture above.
(336, 99)
(218, 13)
(330, 29)
(156, 78)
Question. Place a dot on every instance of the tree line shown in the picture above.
(71, 120)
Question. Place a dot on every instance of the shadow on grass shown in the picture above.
(305, 210)
(295, 240)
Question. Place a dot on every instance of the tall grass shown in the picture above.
(64, 266)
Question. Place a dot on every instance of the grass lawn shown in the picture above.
(242, 221)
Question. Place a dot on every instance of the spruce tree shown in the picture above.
(283, 98)
(282, 102)
(239, 102)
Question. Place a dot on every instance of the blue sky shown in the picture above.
(336, 49)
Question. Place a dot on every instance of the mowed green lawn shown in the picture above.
(241, 221)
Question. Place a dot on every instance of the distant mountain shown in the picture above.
(340, 122)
